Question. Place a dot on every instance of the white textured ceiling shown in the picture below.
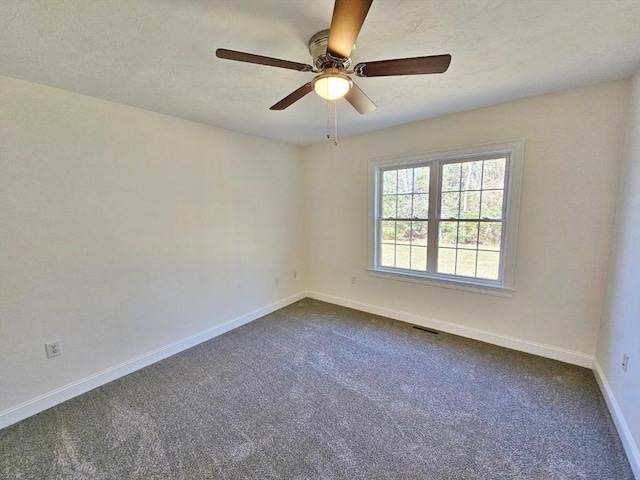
(160, 55)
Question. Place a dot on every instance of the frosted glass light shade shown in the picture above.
(332, 86)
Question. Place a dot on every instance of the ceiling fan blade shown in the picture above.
(359, 100)
(260, 60)
(404, 66)
(347, 20)
(293, 97)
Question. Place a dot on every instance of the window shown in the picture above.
(448, 217)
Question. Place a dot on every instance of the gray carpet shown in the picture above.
(320, 391)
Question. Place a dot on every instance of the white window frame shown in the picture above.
(513, 150)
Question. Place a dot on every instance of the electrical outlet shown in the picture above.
(625, 361)
(276, 280)
(354, 279)
(53, 349)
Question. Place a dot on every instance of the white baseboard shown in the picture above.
(561, 354)
(55, 397)
(556, 353)
(62, 394)
(633, 454)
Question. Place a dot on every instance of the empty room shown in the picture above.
(320, 239)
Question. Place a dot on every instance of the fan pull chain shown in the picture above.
(328, 135)
(335, 123)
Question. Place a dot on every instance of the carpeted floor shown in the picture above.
(320, 391)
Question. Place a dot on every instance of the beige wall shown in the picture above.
(620, 331)
(124, 230)
(572, 153)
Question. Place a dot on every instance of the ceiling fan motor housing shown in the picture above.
(333, 64)
(323, 60)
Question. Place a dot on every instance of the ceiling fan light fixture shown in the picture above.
(332, 86)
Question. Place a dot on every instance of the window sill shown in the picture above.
(442, 283)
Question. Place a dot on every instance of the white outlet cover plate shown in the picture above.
(53, 349)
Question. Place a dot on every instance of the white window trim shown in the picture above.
(515, 150)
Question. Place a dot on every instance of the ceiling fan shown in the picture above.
(331, 50)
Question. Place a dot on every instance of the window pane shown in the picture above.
(490, 236)
(450, 205)
(421, 180)
(470, 205)
(419, 258)
(388, 231)
(446, 260)
(387, 254)
(451, 177)
(421, 206)
(405, 180)
(448, 234)
(488, 265)
(419, 232)
(404, 206)
(492, 204)
(463, 244)
(388, 206)
(493, 174)
(403, 232)
(468, 235)
(471, 175)
(459, 242)
(466, 263)
(402, 256)
(389, 181)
